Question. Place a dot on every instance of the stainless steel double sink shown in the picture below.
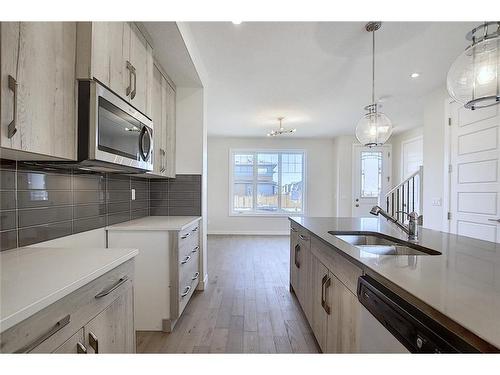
(381, 244)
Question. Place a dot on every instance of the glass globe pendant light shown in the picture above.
(473, 79)
(374, 128)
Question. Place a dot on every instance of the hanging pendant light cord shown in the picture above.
(373, 67)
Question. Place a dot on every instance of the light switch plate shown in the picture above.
(133, 194)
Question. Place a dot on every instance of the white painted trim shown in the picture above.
(249, 232)
(446, 202)
(203, 283)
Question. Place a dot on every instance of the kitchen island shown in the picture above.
(459, 289)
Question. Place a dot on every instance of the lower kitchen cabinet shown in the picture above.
(112, 331)
(96, 318)
(325, 292)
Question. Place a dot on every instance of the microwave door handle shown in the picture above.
(134, 91)
(129, 88)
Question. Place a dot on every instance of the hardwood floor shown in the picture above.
(246, 307)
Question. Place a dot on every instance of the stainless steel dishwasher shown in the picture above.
(389, 324)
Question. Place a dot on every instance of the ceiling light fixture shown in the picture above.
(236, 22)
(415, 75)
(281, 130)
(473, 79)
(374, 128)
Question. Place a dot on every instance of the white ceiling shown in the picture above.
(318, 75)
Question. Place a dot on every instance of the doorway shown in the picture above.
(474, 185)
(371, 177)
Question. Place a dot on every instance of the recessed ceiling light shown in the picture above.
(236, 22)
(415, 75)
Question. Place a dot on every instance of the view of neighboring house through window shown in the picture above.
(267, 182)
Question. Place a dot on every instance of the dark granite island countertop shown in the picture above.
(460, 286)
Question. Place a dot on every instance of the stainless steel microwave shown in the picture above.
(113, 136)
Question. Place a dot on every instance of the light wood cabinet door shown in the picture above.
(158, 122)
(344, 318)
(141, 57)
(74, 345)
(319, 320)
(110, 52)
(294, 261)
(170, 145)
(40, 96)
(305, 282)
(112, 331)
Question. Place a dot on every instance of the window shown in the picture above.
(371, 174)
(267, 182)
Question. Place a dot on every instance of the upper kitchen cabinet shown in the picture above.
(118, 55)
(38, 106)
(164, 124)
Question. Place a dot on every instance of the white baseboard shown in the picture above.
(250, 232)
(203, 283)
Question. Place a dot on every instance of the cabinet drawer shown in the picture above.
(188, 239)
(187, 288)
(187, 271)
(52, 323)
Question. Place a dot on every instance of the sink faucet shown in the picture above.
(411, 229)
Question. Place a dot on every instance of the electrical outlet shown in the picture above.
(133, 194)
(436, 201)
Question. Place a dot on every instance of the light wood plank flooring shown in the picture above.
(246, 308)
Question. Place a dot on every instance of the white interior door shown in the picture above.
(475, 172)
(412, 156)
(371, 177)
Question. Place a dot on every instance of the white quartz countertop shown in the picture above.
(33, 278)
(168, 223)
(463, 283)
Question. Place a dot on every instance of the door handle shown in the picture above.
(129, 88)
(55, 328)
(195, 276)
(12, 128)
(185, 236)
(297, 249)
(195, 249)
(186, 291)
(80, 348)
(94, 342)
(496, 220)
(116, 285)
(134, 91)
(186, 259)
(326, 282)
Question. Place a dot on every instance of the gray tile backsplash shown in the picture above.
(176, 197)
(40, 204)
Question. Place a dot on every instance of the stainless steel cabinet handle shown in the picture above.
(94, 342)
(80, 348)
(293, 229)
(116, 285)
(129, 88)
(497, 220)
(186, 291)
(302, 237)
(12, 129)
(186, 259)
(194, 229)
(134, 91)
(57, 327)
(296, 260)
(195, 276)
(185, 236)
(195, 249)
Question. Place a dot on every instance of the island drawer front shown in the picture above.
(81, 306)
(189, 239)
(302, 234)
(187, 272)
(344, 270)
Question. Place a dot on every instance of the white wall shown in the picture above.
(434, 157)
(319, 175)
(397, 141)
